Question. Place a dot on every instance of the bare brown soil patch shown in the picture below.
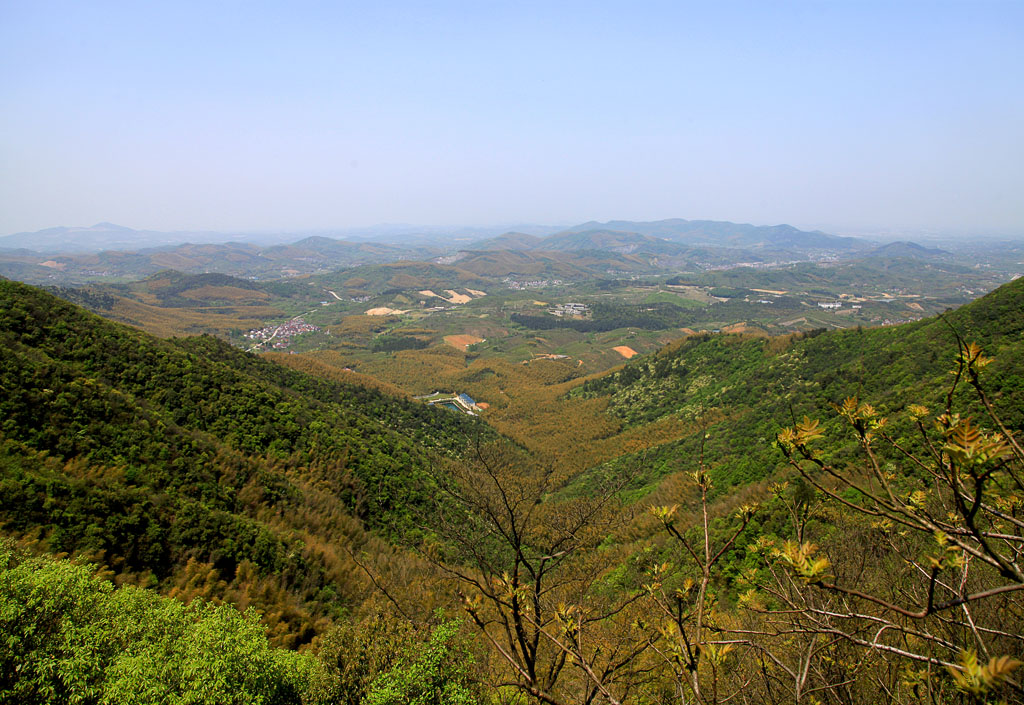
(457, 298)
(462, 341)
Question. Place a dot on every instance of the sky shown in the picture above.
(256, 116)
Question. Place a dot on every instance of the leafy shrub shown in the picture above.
(71, 637)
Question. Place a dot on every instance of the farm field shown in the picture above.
(369, 314)
(462, 342)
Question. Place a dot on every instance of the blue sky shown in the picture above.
(258, 116)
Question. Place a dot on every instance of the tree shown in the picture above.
(438, 673)
(897, 580)
(695, 642)
(949, 600)
(537, 576)
(69, 636)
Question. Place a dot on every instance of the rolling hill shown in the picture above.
(107, 236)
(312, 254)
(907, 250)
(507, 241)
(531, 264)
(193, 468)
(747, 387)
(618, 241)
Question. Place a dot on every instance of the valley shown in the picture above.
(379, 446)
(762, 281)
(355, 353)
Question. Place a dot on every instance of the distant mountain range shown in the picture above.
(678, 238)
(725, 234)
(108, 236)
(615, 235)
(312, 254)
(590, 249)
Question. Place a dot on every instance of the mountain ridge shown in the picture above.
(716, 232)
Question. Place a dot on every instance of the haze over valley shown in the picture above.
(716, 395)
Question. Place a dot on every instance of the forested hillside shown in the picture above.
(198, 468)
(71, 636)
(742, 388)
(817, 517)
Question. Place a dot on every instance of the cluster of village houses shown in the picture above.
(532, 284)
(569, 310)
(281, 335)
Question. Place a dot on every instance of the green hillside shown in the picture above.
(71, 636)
(569, 266)
(745, 388)
(204, 472)
(938, 279)
(373, 280)
(157, 457)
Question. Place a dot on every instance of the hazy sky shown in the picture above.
(289, 115)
